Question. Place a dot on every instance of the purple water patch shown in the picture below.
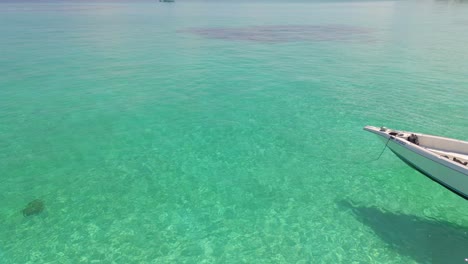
(53, 8)
(286, 33)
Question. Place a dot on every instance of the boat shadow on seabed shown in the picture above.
(424, 240)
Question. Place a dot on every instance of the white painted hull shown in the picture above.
(442, 170)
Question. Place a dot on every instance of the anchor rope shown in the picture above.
(385, 147)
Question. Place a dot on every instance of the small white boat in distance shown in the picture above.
(444, 160)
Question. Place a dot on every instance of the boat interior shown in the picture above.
(452, 149)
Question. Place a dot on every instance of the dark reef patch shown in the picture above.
(286, 33)
(33, 208)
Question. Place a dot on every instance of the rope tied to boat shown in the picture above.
(385, 147)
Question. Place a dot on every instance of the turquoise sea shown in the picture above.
(228, 132)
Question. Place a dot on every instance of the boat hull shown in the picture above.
(435, 167)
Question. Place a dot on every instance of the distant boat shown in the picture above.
(444, 160)
(167, 1)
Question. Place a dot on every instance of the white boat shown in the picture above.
(444, 160)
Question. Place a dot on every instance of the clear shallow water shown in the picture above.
(150, 140)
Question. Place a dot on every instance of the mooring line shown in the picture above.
(385, 147)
